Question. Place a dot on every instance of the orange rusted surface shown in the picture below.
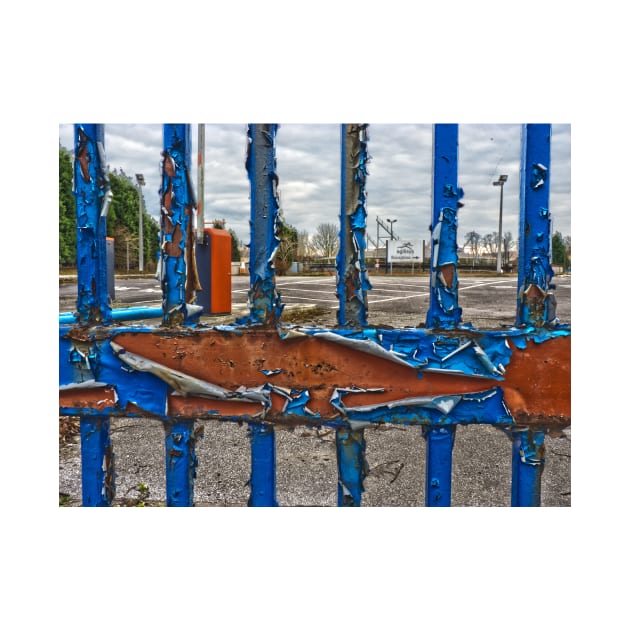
(538, 381)
(92, 398)
(536, 385)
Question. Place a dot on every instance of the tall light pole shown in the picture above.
(141, 183)
(502, 179)
(391, 233)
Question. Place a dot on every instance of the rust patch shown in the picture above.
(448, 274)
(232, 360)
(537, 386)
(92, 398)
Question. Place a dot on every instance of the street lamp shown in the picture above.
(141, 182)
(502, 179)
(391, 233)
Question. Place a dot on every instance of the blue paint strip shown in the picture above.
(181, 463)
(352, 274)
(264, 300)
(444, 311)
(263, 472)
(177, 207)
(97, 462)
(535, 299)
(92, 194)
(528, 460)
(439, 460)
(352, 466)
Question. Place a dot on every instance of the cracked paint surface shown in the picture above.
(178, 269)
(92, 195)
(352, 275)
(264, 300)
(444, 311)
(536, 302)
(463, 376)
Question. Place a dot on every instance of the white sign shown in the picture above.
(404, 250)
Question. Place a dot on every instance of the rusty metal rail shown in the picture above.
(268, 374)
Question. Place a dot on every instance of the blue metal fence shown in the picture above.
(439, 376)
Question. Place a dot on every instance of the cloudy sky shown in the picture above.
(308, 156)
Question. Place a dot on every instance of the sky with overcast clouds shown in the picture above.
(308, 159)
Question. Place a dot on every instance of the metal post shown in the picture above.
(181, 463)
(264, 301)
(439, 461)
(201, 163)
(352, 278)
(352, 466)
(179, 268)
(97, 462)
(536, 303)
(500, 182)
(444, 311)
(528, 461)
(141, 182)
(92, 195)
(263, 467)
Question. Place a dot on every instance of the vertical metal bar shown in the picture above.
(439, 462)
(444, 311)
(352, 276)
(536, 303)
(92, 196)
(178, 203)
(264, 301)
(352, 466)
(181, 463)
(263, 474)
(201, 171)
(97, 462)
(528, 462)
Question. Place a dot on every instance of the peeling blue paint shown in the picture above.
(178, 206)
(439, 459)
(536, 302)
(92, 195)
(528, 459)
(181, 463)
(444, 311)
(96, 360)
(352, 274)
(97, 462)
(264, 301)
(352, 466)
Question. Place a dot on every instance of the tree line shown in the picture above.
(122, 221)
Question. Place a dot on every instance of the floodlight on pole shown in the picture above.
(500, 182)
(391, 233)
(141, 182)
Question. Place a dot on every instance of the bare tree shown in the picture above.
(473, 239)
(304, 246)
(490, 243)
(326, 240)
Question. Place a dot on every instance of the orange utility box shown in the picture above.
(214, 266)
